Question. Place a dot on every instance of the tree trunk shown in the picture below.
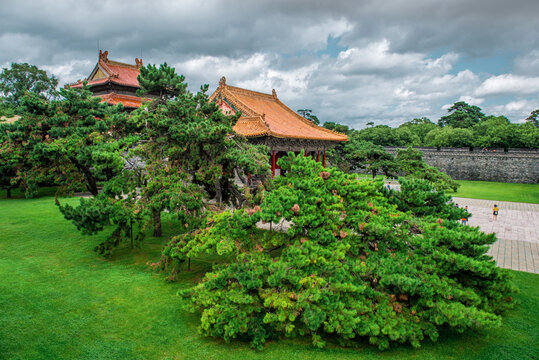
(91, 183)
(218, 191)
(8, 193)
(373, 174)
(157, 231)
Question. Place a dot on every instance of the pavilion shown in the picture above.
(114, 81)
(266, 120)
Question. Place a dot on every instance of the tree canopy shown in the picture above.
(185, 154)
(309, 115)
(356, 262)
(22, 78)
(466, 126)
(462, 115)
(162, 81)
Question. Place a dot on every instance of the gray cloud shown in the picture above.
(399, 61)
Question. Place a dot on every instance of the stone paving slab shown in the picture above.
(517, 230)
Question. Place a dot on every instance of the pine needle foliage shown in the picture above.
(351, 266)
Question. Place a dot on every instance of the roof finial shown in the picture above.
(104, 56)
(274, 93)
(138, 62)
(222, 82)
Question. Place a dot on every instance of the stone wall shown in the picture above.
(515, 165)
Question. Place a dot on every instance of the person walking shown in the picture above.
(464, 219)
(495, 210)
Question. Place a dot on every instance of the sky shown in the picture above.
(351, 62)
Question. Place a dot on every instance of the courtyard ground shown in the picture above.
(516, 227)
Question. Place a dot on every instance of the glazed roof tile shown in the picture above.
(265, 114)
(116, 72)
(127, 101)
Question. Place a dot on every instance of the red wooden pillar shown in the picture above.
(318, 156)
(324, 159)
(273, 163)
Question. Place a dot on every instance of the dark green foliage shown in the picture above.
(336, 127)
(410, 163)
(379, 135)
(11, 160)
(533, 118)
(77, 143)
(308, 114)
(116, 205)
(369, 157)
(162, 82)
(466, 126)
(22, 78)
(419, 197)
(462, 115)
(74, 141)
(188, 154)
(350, 266)
(191, 135)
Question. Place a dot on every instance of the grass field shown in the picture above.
(489, 190)
(60, 300)
(527, 193)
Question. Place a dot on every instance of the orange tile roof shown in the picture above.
(264, 114)
(116, 72)
(127, 101)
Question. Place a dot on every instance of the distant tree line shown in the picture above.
(464, 126)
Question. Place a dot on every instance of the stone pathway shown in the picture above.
(517, 229)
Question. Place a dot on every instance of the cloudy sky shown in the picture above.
(352, 62)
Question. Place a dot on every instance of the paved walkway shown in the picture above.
(517, 229)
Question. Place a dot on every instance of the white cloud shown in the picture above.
(517, 110)
(508, 84)
(471, 100)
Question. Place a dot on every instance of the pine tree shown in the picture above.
(350, 266)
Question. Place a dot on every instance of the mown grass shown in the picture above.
(489, 190)
(526, 193)
(60, 300)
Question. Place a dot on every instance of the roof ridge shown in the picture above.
(104, 65)
(118, 63)
(250, 92)
(242, 106)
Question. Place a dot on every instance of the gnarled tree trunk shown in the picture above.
(157, 231)
(218, 191)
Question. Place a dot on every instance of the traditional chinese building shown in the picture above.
(266, 120)
(114, 81)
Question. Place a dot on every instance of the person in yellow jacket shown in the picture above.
(495, 210)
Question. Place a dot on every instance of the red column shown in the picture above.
(324, 159)
(318, 156)
(273, 163)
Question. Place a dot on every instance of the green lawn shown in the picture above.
(60, 300)
(489, 190)
(527, 193)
